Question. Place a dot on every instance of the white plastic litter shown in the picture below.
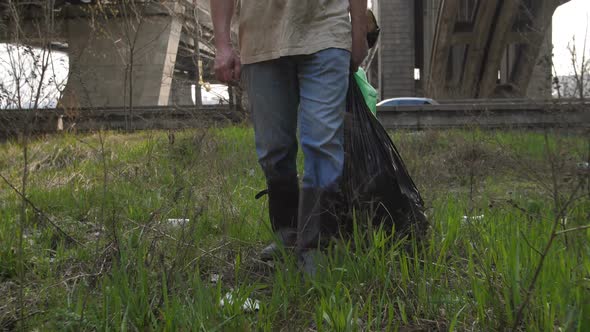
(177, 221)
(248, 306)
(472, 218)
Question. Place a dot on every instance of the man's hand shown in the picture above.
(227, 65)
(358, 17)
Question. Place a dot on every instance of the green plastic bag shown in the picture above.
(369, 92)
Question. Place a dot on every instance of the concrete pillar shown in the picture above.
(540, 81)
(396, 55)
(113, 64)
(431, 15)
(181, 91)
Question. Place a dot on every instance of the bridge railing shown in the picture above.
(490, 115)
(527, 101)
(487, 115)
(138, 118)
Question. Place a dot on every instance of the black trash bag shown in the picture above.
(375, 180)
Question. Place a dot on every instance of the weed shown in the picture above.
(490, 201)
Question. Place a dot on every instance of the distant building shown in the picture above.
(569, 86)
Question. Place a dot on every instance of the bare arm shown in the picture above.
(227, 63)
(358, 16)
(221, 13)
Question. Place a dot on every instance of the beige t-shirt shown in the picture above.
(270, 29)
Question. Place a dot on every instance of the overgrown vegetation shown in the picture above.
(150, 231)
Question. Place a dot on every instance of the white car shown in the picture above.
(407, 101)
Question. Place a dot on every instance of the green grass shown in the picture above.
(135, 270)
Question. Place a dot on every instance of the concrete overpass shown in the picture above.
(451, 49)
(446, 49)
(136, 53)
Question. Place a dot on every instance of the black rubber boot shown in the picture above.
(319, 220)
(283, 202)
(285, 238)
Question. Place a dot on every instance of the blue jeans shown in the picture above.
(309, 88)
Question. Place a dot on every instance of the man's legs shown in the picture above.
(323, 85)
(273, 94)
